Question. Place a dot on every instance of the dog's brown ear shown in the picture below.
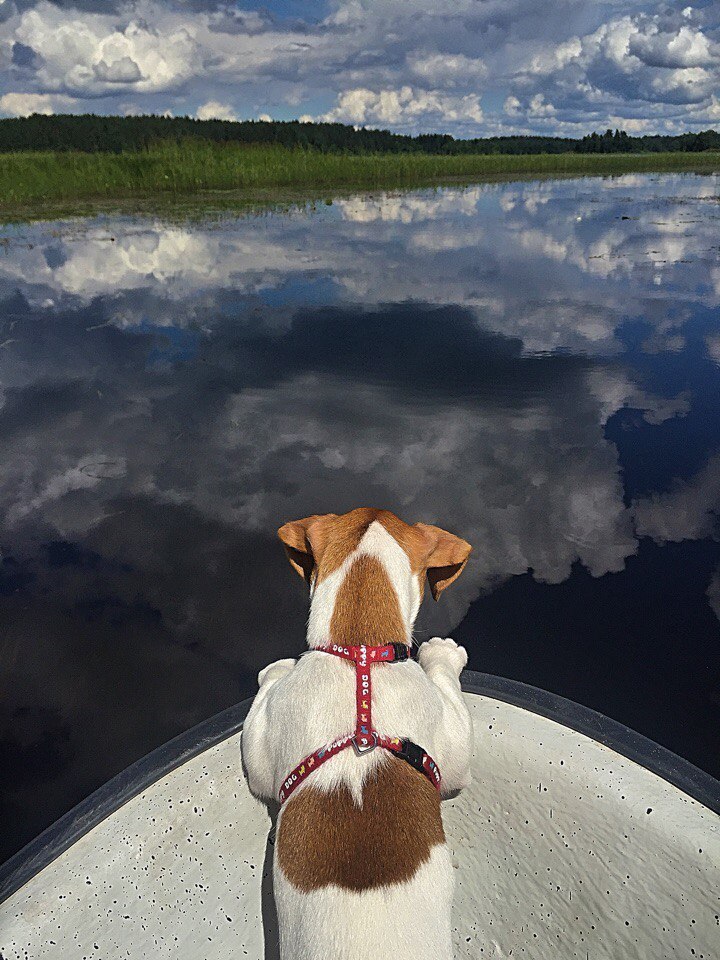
(447, 557)
(304, 541)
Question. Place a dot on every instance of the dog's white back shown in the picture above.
(361, 867)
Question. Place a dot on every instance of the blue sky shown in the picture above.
(467, 67)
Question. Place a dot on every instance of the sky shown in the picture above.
(465, 67)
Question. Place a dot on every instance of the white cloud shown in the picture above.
(547, 486)
(556, 57)
(685, 48)
(539, 108)
(446, 70)
(615, 71)
(689, 511)
(614, 390)
(712, 342)
(495, 266)
(212, 110)
(406, 108)
(87, 474)
(411, 208)
(23, 104)
(541, 496)
(413, 66)
(692, 84)
(122, 70)
(632, 125)
(90, 54)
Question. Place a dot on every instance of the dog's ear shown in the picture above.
(447, 557)
(304, 541)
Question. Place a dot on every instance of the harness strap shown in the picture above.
(365, 657)
(365, 738)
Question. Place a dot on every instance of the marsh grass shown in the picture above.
(36, 178)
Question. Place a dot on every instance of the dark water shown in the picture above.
(535, 366)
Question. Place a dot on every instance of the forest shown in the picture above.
(91, 133)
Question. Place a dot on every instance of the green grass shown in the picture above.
(47, 178)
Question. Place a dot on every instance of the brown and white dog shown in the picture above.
(361, 868)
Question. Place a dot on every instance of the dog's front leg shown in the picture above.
(257, 742)
(443, 661)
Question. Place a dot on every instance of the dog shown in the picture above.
(361, 866)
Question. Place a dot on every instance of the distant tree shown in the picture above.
(92, 133)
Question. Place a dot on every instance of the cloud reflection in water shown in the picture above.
(522, 363)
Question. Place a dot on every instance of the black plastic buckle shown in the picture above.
(400, 652)
(412, 754)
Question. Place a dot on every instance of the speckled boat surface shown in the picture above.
(577, 839)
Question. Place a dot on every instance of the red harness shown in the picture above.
(365, 738)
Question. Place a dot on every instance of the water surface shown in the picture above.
(535, 366)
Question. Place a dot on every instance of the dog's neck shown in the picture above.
(372, 598)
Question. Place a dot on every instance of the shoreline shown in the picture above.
(47, 185)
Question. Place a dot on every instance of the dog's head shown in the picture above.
(321, 546)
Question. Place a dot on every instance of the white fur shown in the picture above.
(377, 543)
(406, 921)
(301, 706)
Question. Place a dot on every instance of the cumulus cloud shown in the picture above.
(404, 109)
(686, 47)
(186, 278)
(170, 396)
(614, 390)
(546, 485)
(462, 67)
(122, 70)
(496, 264)
(713, 346)
(627, 63)
(212, 110)
(555, 57)
(137, 507)
(447, 70)
(91, 54)
(539, 108)
(689, 511)
(293, 405)
(24, 104)
(415, 459)
(512, 106)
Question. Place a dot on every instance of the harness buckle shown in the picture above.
(412, 754)
(401, 652)
(368, 748)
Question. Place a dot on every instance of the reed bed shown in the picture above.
(195, 166)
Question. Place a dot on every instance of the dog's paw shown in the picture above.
(276, 670)
(442, 650)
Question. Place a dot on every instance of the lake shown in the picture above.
(533, 365)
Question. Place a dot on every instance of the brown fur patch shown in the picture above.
(411, 539)
(335, 538)
(325, 838)
(367, 609)
(318, 545)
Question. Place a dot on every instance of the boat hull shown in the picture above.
(577, 838)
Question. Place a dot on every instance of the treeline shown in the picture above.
(100, 134)
(621, 142)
